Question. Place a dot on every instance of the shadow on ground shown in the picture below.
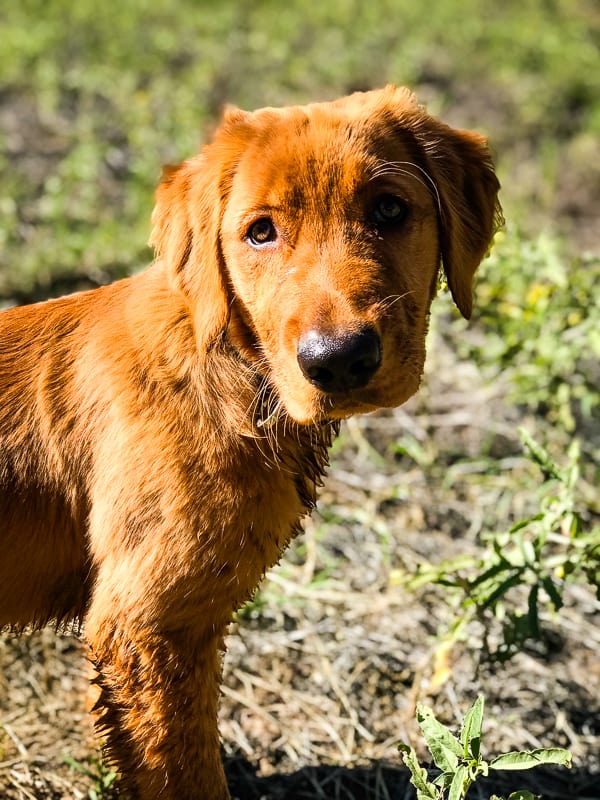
(380, 781)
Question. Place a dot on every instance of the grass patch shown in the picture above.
(95, 100)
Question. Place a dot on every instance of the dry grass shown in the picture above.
(323, 671)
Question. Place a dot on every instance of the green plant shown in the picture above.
(541, 315)
(460, 761)
(541, 554)
(135, 86)
(103, 777)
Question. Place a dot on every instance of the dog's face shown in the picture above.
(315, 233)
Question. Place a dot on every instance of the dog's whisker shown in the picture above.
(398, 168)
(384, 305)
(261, 396)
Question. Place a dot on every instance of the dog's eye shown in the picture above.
(390, 210)
(261, 232)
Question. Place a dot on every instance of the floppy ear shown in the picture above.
(461, 165)
(185, 235)
(186, 225)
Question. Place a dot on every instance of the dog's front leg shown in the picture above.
(157, 708)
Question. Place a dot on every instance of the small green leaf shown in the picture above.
(523, 794)
(525, 522)
(444, 779)
(514, 580)
(109, 778)
(532, 611)
(532, 758)
(445, 748)
(491, 572)
(477, 768)
(425, 790)
(528, 551)
(470, 735)
(540, 455)
(457, 787)
(552, 592)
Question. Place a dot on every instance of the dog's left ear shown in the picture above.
(461, 165)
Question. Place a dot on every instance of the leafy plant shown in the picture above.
(103, 778)
(460, 761)
(541, 316)
(541, 554)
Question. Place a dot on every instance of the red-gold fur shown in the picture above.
(160, 440)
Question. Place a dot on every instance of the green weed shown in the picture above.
(460, 761)
(102, 777)
(559, 544)
(540, 312)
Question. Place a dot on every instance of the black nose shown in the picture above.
(336, 363)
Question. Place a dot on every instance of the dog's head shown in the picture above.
(311, 237)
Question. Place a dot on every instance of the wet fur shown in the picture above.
(159, 444)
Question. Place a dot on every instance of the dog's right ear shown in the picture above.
(185, 236)
(186, 225)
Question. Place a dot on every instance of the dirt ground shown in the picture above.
(323, 673)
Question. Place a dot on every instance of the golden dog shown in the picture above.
(161, 438)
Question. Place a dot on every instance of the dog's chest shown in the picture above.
(266, 499)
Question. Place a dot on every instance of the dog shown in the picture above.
(162, 437)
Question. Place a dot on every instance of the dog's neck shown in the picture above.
(280, 464)
(260, 422)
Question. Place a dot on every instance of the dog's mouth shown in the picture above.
(333, 375)
(269, 410)
(305, 405)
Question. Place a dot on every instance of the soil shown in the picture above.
(323, 673)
